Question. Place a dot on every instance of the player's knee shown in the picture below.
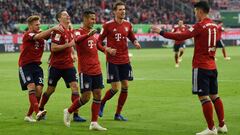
(50, 90)
(97, 94)
(31, 86)
(85, 98)
(204, 99)
(214, 97)
(74, 86)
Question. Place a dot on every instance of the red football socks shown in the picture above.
(95, 109)
(208, 113)
(219, 110)
(121, 100)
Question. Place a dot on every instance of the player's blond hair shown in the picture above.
(33, 18)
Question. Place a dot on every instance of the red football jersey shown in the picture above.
(62, 59)
(205, 35)
(178, 29)
(117, 35)
(220, 30)
(32, 50)
(87, 51)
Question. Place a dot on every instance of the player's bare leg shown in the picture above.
(95, 110)
(176, 59)
(181, 51)
(121, 100)
(109, 94)
(225, 54)
(75, 95)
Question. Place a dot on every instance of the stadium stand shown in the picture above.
(139, 11)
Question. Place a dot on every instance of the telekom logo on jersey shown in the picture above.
(91, 43)
(118, 36)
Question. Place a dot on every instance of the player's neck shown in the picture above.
(204, 17)
(31, 30)
(119, 20)
(86, 27)
(65, 25)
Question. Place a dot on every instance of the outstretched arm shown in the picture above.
(46, 33)
(175, 36)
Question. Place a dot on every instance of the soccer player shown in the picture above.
(61, 62)
(205, 83)
(179, 46)
(30, 72)
(90, 74)
(119, 70)
(220, 43)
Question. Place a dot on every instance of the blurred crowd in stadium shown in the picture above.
(139, 11)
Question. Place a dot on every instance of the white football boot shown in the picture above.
(208, 132)
(29, 119)
(66, 117)
(222, 129)
(96, 126)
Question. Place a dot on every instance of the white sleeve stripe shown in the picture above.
(22, 75)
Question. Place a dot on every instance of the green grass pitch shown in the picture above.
(159, 103)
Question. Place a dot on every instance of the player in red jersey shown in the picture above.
(90, 74)
(179, 46)
(61, 62)
(30, 73)
(119, 70)
(205, 82)
(220, 43)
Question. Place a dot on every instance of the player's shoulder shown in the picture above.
(175, 26)
(78, 31)
(57, 32)
(207, 22)
(126, 22)
(29, 33)
(108, 22)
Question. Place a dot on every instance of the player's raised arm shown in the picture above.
(45, 34)
(80, 38)
(176, 36)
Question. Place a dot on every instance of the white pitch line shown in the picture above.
(169, 79)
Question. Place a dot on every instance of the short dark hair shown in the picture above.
(118, 3)
(202, 5)
(87, 13)
(58, 15)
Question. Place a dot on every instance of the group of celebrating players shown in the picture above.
(119, 71)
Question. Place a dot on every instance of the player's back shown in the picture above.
(31, 50)
(87, 51)
(205, 44)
